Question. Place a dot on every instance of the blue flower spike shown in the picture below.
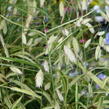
(102, 77)
(107, 39)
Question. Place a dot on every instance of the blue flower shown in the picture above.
(97, 86)
(101, 76)
(107, 38)
(97, 8)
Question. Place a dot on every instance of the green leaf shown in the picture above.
(100, 103)
(24, 91)
(16, 103)
(95, 79)
(21, 61)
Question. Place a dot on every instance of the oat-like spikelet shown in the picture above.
(69, 53)
(60, 95)
(16, 70)
(39, 79)
(46, 66)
